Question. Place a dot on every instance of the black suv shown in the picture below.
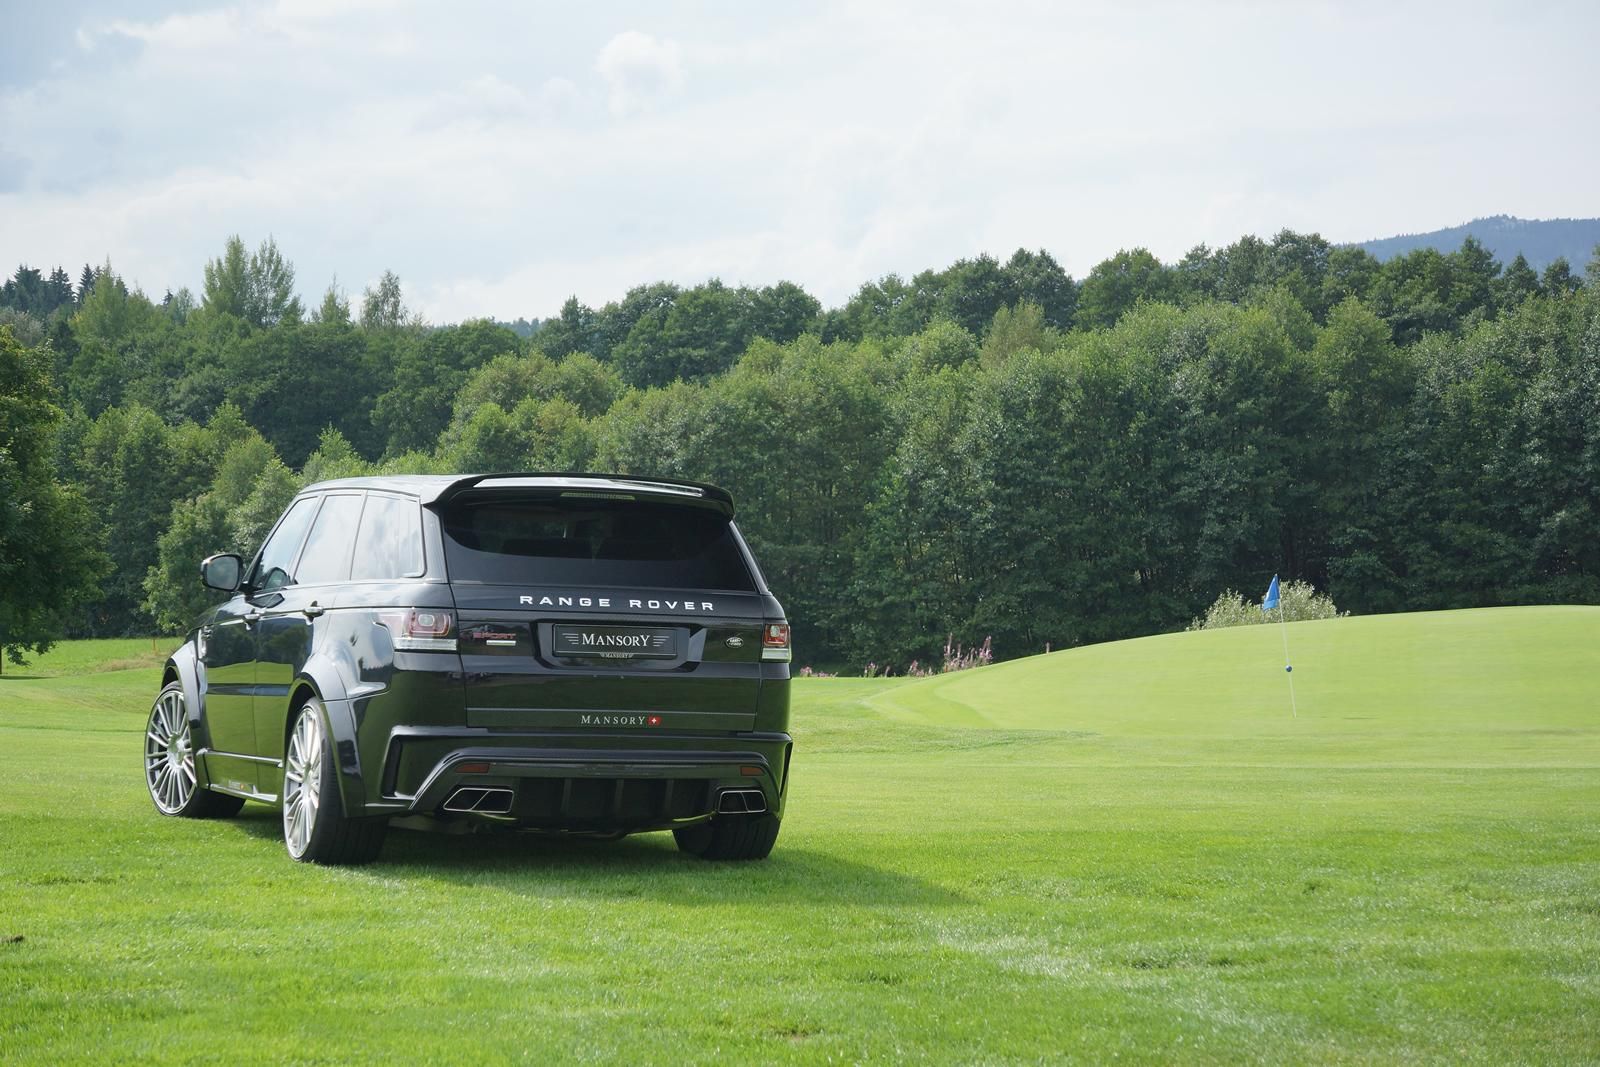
(565, 653)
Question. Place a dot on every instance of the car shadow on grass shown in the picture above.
(640, 866)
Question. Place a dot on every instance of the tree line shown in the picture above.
(991, 449)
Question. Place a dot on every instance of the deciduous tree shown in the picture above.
(50, 554)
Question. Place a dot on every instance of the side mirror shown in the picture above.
(222, 571)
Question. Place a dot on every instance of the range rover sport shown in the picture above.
(562, 653)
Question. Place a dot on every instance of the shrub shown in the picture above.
(955, 659)
(1299, 601)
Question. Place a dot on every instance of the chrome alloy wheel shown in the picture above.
(302, 782)
(169, 753)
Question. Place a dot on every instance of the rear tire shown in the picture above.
(730, 837)
(169, 764)
(315, 829)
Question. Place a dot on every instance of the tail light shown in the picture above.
(420, 629)
(775, 641)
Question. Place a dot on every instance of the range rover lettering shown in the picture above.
(573, 654)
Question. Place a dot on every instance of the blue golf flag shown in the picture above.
(1270, 601)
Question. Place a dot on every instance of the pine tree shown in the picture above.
(58, 289)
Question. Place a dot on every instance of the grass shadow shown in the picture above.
(642, 866)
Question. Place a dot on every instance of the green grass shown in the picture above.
(94, 657)
(1131, 851)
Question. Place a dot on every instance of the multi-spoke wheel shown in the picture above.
(315, 828)
(169, 769)
(302, 783)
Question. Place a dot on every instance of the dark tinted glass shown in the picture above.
(554, 541)
(390, 542)
(327, 554)
(272, 569)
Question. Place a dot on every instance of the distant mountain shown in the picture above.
(1540, 240)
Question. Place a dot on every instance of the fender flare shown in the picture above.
(321, 678)
(185, 667)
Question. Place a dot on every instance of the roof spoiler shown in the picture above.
(720, 499)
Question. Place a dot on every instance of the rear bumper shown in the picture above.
(564, 780)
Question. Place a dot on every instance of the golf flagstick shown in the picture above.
(1288, 668)
(1274, 599)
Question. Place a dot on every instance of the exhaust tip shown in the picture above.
(741, 802)
(472, 799)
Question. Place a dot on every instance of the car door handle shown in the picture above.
(252, 617)
(313, 609)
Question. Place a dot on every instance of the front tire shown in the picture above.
(169, 764)
(730, 837)
(315, 828)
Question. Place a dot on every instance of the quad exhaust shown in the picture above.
(741, 802)
(480, 801)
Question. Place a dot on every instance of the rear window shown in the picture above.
(556, 541)
(389, 545)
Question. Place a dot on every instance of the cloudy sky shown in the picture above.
(500, 157)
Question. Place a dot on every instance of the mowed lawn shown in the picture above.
(1127, 851)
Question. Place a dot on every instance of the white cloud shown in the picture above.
(189, 32)
(558, 93)
(639, 70)
(826, 146)
(319, 10)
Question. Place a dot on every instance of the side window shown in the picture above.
(327, 554)
(272, 569)
(390, 542)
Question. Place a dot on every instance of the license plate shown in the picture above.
(616, 642)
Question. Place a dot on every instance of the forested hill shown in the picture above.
(993, 448)
(1540, 241)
